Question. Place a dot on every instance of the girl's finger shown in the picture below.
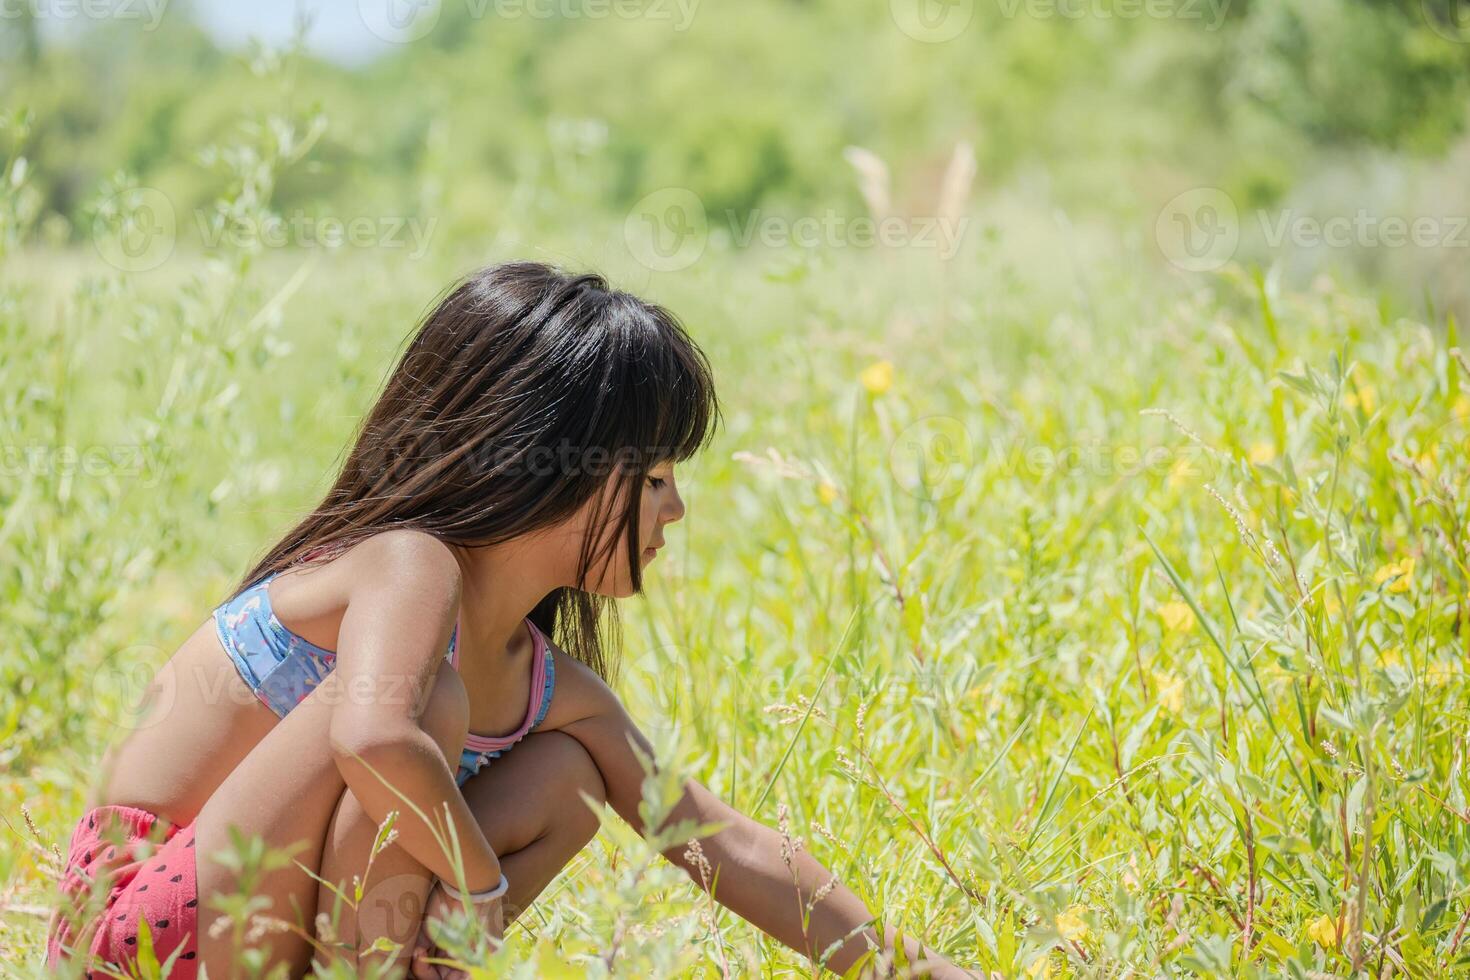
(421, 967)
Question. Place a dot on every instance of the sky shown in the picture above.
(342, 30)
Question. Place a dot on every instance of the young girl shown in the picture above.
(516, 473)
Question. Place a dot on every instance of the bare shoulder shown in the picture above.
(402, 569)
(579, 693)
(413, 564)
(402, 554)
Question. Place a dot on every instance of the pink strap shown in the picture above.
(486, 743)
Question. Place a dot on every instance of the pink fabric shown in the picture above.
(147, 870)
(486, 743)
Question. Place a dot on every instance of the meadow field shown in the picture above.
(1091, 610)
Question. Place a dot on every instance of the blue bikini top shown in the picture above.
(282, 668)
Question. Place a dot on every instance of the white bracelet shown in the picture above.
(475, 898)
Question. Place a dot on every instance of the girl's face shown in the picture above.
(660, 505)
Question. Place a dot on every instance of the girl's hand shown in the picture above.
(440, 908)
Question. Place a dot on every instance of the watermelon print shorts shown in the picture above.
(144, 870)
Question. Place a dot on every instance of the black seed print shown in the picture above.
(87, 858)
(121, 916)
(161, 923)
(131, 940)
(191, 903)
(142, 888)
(161, 867)
(187, 956)
(92, 823)
(191, 842)
(177, 878)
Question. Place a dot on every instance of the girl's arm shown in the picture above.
(747, 870)
(400, 612)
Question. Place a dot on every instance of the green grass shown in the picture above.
(1121, 630)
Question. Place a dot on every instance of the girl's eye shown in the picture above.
(655, 482)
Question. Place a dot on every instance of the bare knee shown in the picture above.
(578, 782)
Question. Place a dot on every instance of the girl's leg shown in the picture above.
(286, 791)
(529, 804)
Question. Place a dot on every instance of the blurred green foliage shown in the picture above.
(750, 104)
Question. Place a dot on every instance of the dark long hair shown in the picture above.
(522, 392)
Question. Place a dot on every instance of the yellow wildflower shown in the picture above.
(1365, 397)
(1177, 617)
(827, 493)
(1439, 675)
(1277, 676)
(1179, 473)
(1072, 926)
(1399, 575)
(1323, 931)
(1392, 657)
(1041, 967)
(1261, 452)
(1462, 407)
(877, 377)
(1171, 691)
